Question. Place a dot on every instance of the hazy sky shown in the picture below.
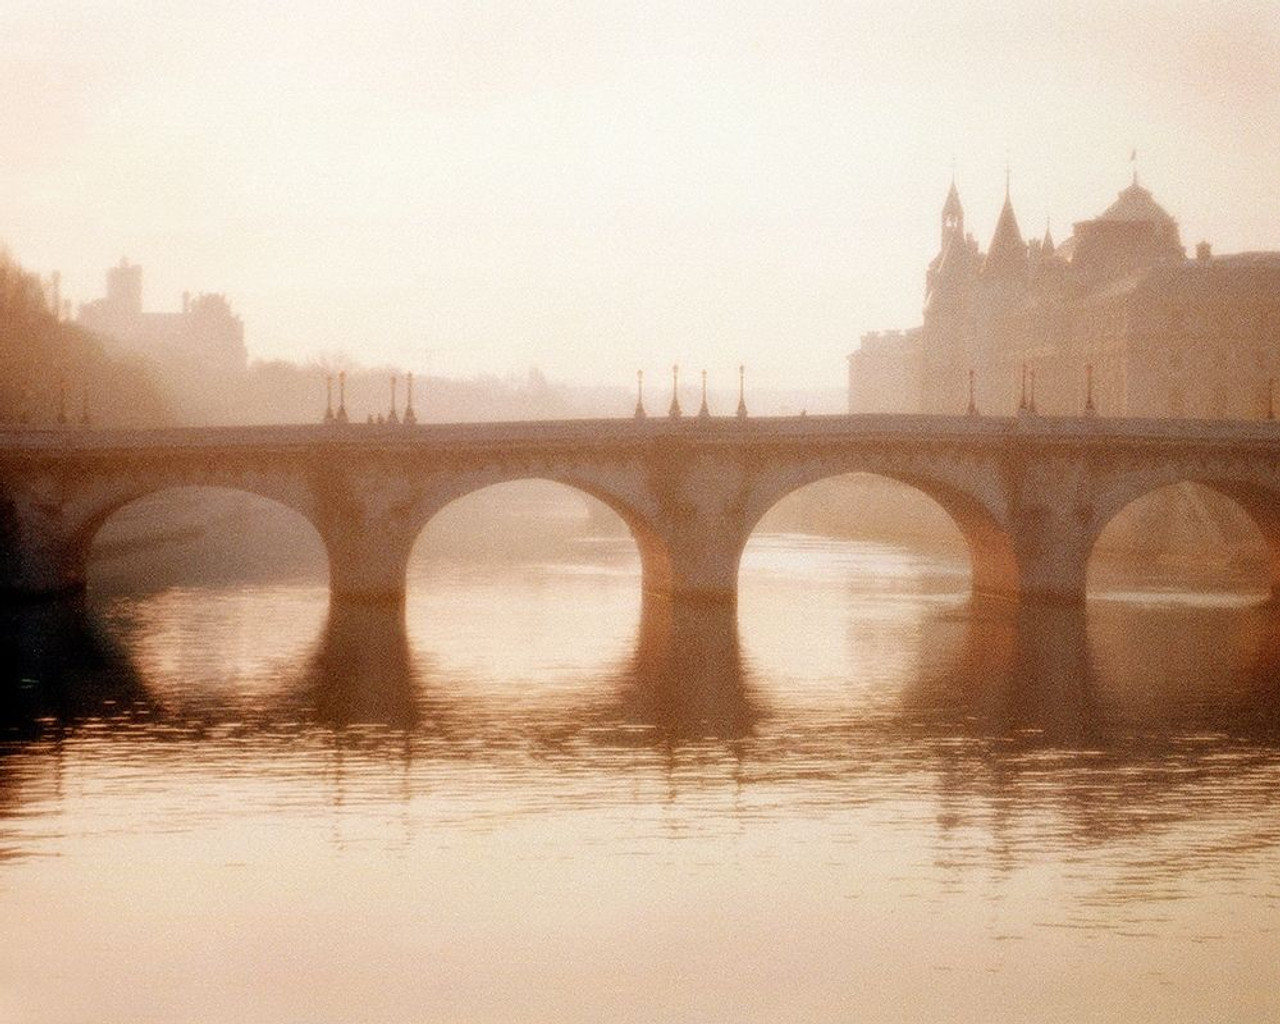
(592, 187)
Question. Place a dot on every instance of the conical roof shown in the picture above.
(952, 207)
(1008, 251)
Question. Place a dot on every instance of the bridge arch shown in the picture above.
(212, 504)
(969, 501)
(655, 558)
(515, 576)
(48, 522)
(1258, 500)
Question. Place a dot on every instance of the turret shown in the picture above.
(1007, 257)
(950, 270)
(952, 218)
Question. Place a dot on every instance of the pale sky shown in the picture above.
(595, 187)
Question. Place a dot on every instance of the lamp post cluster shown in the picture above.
(341, 415)
(674, 411)
(408, 418)
(1027, 394)
(1026, 399)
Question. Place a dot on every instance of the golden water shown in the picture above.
(877, 802)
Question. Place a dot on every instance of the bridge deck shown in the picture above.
(603, 433)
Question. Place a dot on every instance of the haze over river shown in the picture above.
(875, 802)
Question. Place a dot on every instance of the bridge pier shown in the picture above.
(710, 578)
(39, 557)
(698, 560)
(1051, 534)
(1052, 570)
(1262, 505)
(368, 564)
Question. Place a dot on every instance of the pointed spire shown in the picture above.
(1008, 252)
(1022, 399)
(704, 413)
(952, 216)
(62, 401)
(410, 417)
(328, 398)
(742, 393)
(341, 415)
(1089, 408)
(640, 413)
(674, 409)
(973, 405)
(1046, 245)
(952, 202)
(1031, 408)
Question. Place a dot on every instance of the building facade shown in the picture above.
(1117, 313)
(206, 336)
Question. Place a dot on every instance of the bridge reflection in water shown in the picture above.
(978, 791)
(684, 678)
(1034, 673)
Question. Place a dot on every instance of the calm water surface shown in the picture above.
(537, 801)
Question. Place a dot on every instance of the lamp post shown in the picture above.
(410, 417)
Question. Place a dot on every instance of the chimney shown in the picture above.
(1203, 252)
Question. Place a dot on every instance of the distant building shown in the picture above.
(887, 375)
(1164, 334)
(206, 336)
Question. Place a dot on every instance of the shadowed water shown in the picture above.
(533, 797)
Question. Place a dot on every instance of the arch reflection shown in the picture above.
(361, 671)
(1018, 669)
(1121, 674)
(686, 678)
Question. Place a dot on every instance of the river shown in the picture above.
(534, 799)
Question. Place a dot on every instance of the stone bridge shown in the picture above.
(1030, 494)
